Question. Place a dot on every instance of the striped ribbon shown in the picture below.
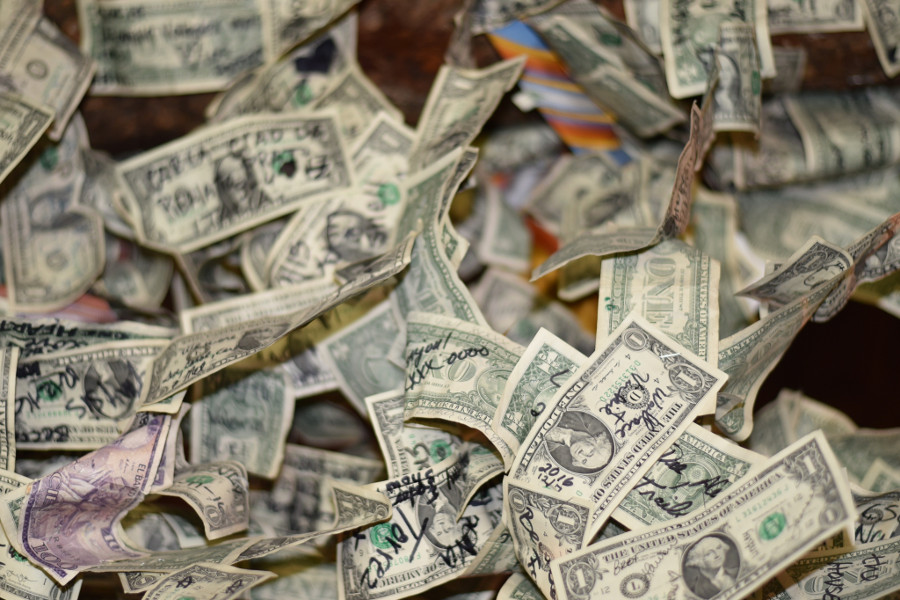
(580, 124)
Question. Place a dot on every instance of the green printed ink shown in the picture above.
(48, 390)
(199, 479)
(440, 450)
(284, 163)
(772, 526)
(380, 535)
(389, 194)
(302, 95)
(49, 158)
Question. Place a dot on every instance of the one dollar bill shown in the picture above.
(764, 523)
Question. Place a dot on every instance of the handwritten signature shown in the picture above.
(634, 404)
(420, 367)
(661, 494)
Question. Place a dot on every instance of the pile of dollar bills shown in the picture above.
(296, 352)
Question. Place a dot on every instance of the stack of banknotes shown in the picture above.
(296, 352)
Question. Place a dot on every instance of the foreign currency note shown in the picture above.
(544, 367)
(67, 520)
(224, 179)
(764, 523)
(673, 286)
(616, 416)
(456, 371)
(19, 579)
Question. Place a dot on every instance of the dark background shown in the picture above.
(848, 362)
